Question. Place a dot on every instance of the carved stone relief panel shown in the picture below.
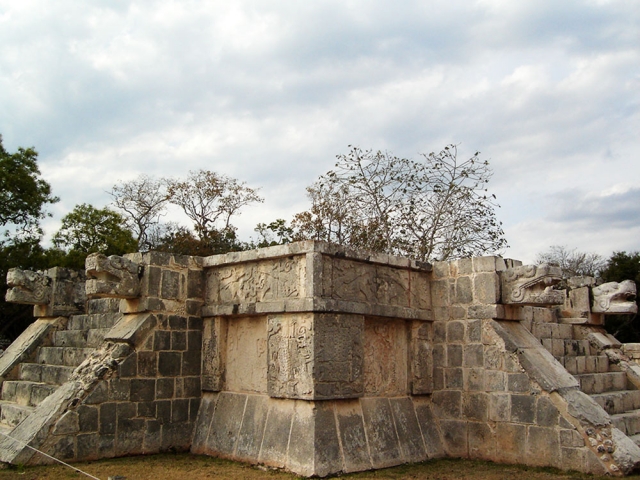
(392, 286)
(214, 337)
(339, 356)
(290, 356)
(385, 357)
(352, 281)
(421, 358)
(420, 291)
(246, 369)
(263, 281)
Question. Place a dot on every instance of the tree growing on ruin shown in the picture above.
(143, 201)
(573, 262)
(435, 208)
(210, 200)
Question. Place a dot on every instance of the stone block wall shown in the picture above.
(147, 404)
(498, 394)
(321, 359)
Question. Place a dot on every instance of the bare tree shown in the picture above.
(435, 208)
(210, 200)
(573, 262)
(143, 200)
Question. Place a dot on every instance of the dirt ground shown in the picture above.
(192, 467)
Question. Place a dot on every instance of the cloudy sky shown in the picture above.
(269, 92)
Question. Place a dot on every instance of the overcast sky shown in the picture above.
(270, 92)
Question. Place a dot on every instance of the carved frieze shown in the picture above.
(267, 281)
(531, 285)
(113, 276)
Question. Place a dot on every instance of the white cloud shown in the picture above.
(270, 93)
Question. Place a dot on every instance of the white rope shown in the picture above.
(49, 456)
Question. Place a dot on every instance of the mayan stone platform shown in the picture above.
(320, 359)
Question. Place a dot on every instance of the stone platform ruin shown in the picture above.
(320, 359)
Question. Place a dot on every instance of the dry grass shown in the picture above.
(192, 467)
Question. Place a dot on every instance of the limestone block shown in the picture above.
(352, 436)
(543, 447)
(214, 337)
(412, 447)
(114, 276)
(246, 355)
(421, 358)
(315, 356)
(339, 355)
(615, 298)
(263, 281)
(486, 288)
(578, 303)
(531, 285)
(481, 440)
(58, 291)
(383, 439)
(27, 287)
(455, 437)
(626, 454)
(385, 357)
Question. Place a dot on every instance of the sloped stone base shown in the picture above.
(317, 438)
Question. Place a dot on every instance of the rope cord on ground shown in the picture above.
(49, 456)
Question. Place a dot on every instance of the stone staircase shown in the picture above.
(601, 379)
(53, 363)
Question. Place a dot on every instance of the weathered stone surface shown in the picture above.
(27, 287)
(352, 436)
(297, 324)
(113, 276)
(385, 357)
(615, 298)
(531, 285)
(383, 440)
(58, 291)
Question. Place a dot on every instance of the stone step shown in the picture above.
(69, 356)
(552, 330)
(79, 338)
(578, 365)
(26, 393)
(560, 347)
(42, 373)
(618, 402)
(602, 382)
(11, 414)
(628, 422)
(97, 320)
(103, 305)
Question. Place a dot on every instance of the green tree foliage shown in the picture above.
(573, 262)
(436, 208)
(87, 229)
(623, 266)
(180, 240)
(274, 233)
(23, 194)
